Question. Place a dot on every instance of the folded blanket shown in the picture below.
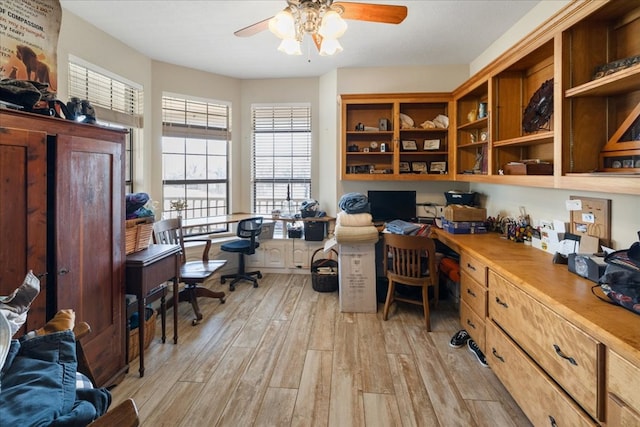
(345, 234)
(397, 226)
(354, 203)
(354, 220)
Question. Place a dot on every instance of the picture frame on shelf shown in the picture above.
(419, 167)
(404, 167)
(438, 167)
(431, 144)
(409, 145)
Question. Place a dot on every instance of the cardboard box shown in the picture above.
(464, 227)
(357, 277)
(464, 213)
(528, 169)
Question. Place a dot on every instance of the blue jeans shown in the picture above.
(38, 385)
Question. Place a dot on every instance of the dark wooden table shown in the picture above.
(146, 274)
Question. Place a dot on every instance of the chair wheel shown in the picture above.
(259, 275)
(222, 281)
(255, 285)
(232, 288)
(222, 300)
(194, 322)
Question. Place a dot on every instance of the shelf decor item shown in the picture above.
(539, 109)
(438, 167)
(431, 144)
(419, 167)
(404, 167)
(409, 145)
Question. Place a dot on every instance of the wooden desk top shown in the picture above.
(150, 255)
(194, 223)
(566, 293)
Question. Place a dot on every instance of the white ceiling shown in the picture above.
(199, 34)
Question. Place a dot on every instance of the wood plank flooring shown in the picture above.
(284, 355)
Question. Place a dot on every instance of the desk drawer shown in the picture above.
(473, 323)
(474, 294)
(623, 382)
(543, 402)
(474, 268)
(566, 353)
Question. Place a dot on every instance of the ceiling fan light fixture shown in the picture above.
(290, 46)
(330, 47)
(283, 25)
(332, 26)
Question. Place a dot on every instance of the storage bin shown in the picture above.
(324, 272)
(138, 233)
(315, 231)
(149, 333)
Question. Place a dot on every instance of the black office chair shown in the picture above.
(248, 231)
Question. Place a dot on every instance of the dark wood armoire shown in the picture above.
(62, 216)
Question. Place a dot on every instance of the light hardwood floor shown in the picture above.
(284, 355)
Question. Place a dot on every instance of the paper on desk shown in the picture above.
(330, 244)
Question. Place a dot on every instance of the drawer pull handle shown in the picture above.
(552, 421)
(561, 354)
(470, 323)
(63, 271)
(471, 267)
(470, 292)
(502, 303)
(496, 355)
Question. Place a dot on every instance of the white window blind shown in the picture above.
(195, 140)
(115, 100)
(281, 167)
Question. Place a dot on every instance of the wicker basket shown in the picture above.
(138, 234)
(149, 333)
(322, 281)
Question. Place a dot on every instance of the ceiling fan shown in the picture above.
(323, 20)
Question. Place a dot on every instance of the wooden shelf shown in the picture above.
(624, 81)
(370, 109)
(477, 124)
(536, 138)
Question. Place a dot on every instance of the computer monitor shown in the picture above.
(389, 205)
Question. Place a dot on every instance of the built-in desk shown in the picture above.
(146, 274)
(539, 315)
(213, 224)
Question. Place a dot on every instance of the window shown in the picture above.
(118, 103)
(195, 145)
(281, 172)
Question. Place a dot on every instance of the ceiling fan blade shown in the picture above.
(253, 29)
(388, 14)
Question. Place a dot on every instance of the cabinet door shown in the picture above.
(274, 256)
(89, 244)
(23, 222)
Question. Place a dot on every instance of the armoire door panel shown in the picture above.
(89, 211)
(23, 215)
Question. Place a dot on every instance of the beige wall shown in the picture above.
(84, 41)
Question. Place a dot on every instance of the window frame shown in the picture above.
(196, 125)
(298, 133)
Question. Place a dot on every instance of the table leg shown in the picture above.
(163, 314)
(141, 315)
(175, 310)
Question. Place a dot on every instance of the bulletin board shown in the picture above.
(592, 219)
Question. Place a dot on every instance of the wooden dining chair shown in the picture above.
(192, 273)
(410, 261)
